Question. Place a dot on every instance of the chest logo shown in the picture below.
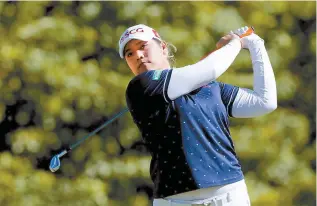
(157, 74)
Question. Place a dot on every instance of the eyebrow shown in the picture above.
(139, 42)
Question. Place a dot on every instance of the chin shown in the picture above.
(140, 71)
(144, 69)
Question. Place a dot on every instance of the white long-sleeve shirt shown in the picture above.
(263, 98)
(248, 103)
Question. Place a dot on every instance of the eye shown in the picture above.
(143, 46)
(128, 54)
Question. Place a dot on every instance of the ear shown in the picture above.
(165, 49)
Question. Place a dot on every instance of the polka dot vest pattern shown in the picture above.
(188, 138)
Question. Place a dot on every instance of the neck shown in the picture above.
(165, 65)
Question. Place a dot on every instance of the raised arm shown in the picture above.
(263, 98)
(186, 79)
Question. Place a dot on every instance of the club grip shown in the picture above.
(253, 30)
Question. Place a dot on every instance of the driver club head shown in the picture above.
(55, 163)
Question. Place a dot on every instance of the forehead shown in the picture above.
(133, 42)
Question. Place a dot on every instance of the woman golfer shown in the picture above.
(183, 115)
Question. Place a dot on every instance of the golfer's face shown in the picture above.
(142, 56)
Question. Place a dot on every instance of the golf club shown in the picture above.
(55, 161)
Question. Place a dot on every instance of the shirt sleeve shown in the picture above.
(228, 95)
(191, 77)
(263, 98)
(147, 92)
(153, 83)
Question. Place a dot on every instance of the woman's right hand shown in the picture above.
(226, 39)
(247, 36)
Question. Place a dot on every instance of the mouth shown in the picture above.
(141, 64)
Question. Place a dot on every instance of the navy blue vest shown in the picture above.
(188, 138)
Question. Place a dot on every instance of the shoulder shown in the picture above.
(216, 83)
(222, 85)
(146, 79)
(225, 88)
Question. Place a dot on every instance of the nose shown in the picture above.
(139, 54)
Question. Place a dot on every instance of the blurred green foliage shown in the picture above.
(61, 77)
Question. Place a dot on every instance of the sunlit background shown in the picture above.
(61, 77)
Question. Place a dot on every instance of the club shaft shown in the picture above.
(73, 146)
(62, 153)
